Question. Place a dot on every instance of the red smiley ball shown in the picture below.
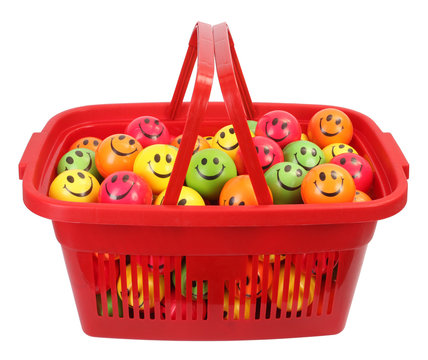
(268, 152)
(358, 167)
(125, 187)
(279, 126)
(148, 130)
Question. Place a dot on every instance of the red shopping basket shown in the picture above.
(299, 264)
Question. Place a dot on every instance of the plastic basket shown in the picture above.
(314, 253)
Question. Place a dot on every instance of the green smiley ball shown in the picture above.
(284, 180)
(81, 159)
(304, 153)
(194, 284)
(209, 170)
(252, 125)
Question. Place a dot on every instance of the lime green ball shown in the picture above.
(284, 180)
(252, 125)
(194, 284)
(304, 153)
(81, 159)
(208, 171)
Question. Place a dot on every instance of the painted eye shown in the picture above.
(204, 161)
(70, 179)
(131, 142)
(266, 150)
(322, 176)
(257, 149)
(194, 283)
(69, 160)
(222, 134)
(146, 121)
(232, 200)
(275, 121)
(287, 168)
(338, 121)
(341, 146)
(303, 150)
(121, 137)
(342, 161)
(168, 158)
(114, 178)
(247, 282)
(334, 175)
(241, 203)
(85, 142)
(96, 142)
(215, 161)
(81, 175)
(284, 125)
(157, 122)
(79, 153)
(258, 279)
(157, 158)
(314, 152)
(350, 150)
(179, 141)
(232, 130)
(299, 173)
(125, 178)
(329, 117)
(182, 202)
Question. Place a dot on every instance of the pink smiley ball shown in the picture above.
(125, 187)
(268, 152)
(358, 167)
(148, 130)
(279, 126)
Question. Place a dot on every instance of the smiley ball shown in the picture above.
(332, 150)
(304, 153)
(125, 187)
(116, 153)
(361, 196)
(90, 143)
(75, 185)
(188, 197)
(285, 180)
(252, 125)
(358, 167)
(193, 284)
(328, 183)
(261, 276)
(82, 159)
(268, 152)
(148, 130)
(154, 164)
(279, 126)
(225, 140)
(238, 191)
(208, 171)
(200, 144)
(330, 126)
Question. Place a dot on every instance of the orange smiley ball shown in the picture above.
(200, 144)
(361, 196)
(90, 143)
(328, 183)
(238, 191)
(330, 126)
(116, 153)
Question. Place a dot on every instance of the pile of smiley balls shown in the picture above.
(135, 167)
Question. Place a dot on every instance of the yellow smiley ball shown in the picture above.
(75, 185)
(154, 164)
(225, 140)
(332, 150)
(188, 197)
(304, 137)
(209, 140)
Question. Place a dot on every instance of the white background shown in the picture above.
(370, 56)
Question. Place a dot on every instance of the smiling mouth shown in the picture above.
(285, 187)
(233, 147)
(117, 152)
(118, 197)
(307, 168)
(270, 164)
(162, 176)
(327, 133)
(88, 167)
(270, 137)
(83, 194)
(210, 177)
(153, 137)
(333, 194)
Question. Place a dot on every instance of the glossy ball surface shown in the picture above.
(304, 153)
(279, 126)
(148, 130)
(188, 197)
(225, 140)
(200, 144)
(361, 196)
(82, 159)
(89, 142)
(76, 186)
(335, 149)
(238, 191)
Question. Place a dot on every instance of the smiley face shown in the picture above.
(200, 144)
(208, 171)
(361, 196)
(125, 187)
(328, 183)
(140, 287)
(83, 159)
(332, 150)
(358, 167)
(304, 153)
(116, 153)
(89, 142)
(259, 279)
(188, 197)
(329, 126)
(285, 180)
(279, 126)
(225, 140)
(238, 191)
(148, 130)
(75, 185)
(154, 164)
(268, 152)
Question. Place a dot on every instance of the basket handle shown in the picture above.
(239, 107)
(201, 47)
